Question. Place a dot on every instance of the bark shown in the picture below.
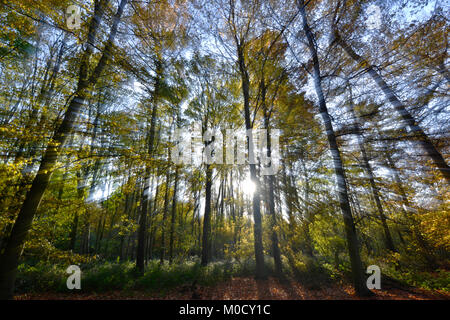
(140, 254)
(206, 237)
(151, 222)
(350, 230)
(164, 218)
(172, 218)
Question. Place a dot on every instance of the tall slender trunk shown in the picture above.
(256, 203)
(274, 237)
(151, 222)
(140, 256)
(271, 196)
(374, 188)
(288, 196)
(73, 231)
(128, 204)
(427, 251)
(309, 250)
(350, 230)
(172, 218)
(164, 218)
(406, 116)
(233, 204)
(206, 237)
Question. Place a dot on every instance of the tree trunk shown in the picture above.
(408, 119)
(271, 197)
(427, 251)
(256, 204)
(140, 256)
(164, 218)
(374, 188)
(172, 218)
(350, 230)
(206, 237)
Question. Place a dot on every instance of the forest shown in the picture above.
(224, 149)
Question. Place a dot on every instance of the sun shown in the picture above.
(248, 187)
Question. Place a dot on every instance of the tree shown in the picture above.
(406, 116)
(10, 256)
(352, 241)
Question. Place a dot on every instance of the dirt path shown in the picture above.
(251, 289)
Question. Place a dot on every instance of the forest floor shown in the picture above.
(240, 288)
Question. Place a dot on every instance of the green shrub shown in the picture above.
(157, 277)
(438, 280)
(101, 276)
(108, 276)
(40, 278)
